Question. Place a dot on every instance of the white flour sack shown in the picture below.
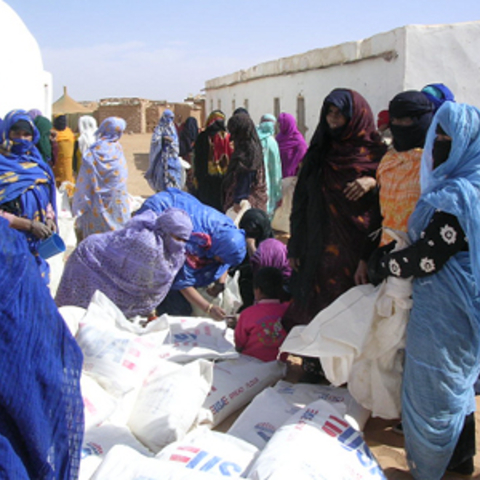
(301, 394)
(117, 358)
(72, 316)
(98, 441)
(167, 405)
(196, 337)
(316, 443)
(260, 420)
(236, 382)
(213, 452)
(124, 463)
(98, 405)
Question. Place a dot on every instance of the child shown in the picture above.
(259, 332)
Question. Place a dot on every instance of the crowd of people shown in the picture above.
(416, 170)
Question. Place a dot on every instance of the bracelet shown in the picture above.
(209, 309)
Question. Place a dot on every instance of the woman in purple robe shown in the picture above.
(134, 267)
(293, 146)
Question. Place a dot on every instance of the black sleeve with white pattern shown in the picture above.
(442, 238)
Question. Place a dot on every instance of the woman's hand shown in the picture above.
(361, 275)
(357, 189)
(39, 230)
(216, 312)
(51, 225)
(215, 289)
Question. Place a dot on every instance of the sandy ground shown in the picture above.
(136, 148)
(386, 445)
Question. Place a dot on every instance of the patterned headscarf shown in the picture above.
(104, 167)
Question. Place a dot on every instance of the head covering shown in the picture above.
(41, 421)
(342, 99)
(34, 113)
(438, 94)
(383, 119)
(417, 106)
(22, 125)
(164, 169)
(214, 235)
(44, 145)
(272, 253)
(267, 126)
(188, 136)
(359, 139)
(241, 110)
(60, 122)
(87, 126)
(256, 224)
(247, 151)
(216, 117)
(291, 143)
(134, 266)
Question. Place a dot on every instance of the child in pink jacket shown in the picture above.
(259, 332)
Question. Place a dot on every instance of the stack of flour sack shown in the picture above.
(155, 397)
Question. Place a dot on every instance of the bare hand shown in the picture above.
(358, 188)
(231, 321)
(361, 276)
(40, 230)
(294, 263)
(216, 289)
(51, 225)
(217, 313)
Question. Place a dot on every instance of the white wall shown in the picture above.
(378, 67)
(23, 81)
(448, 54)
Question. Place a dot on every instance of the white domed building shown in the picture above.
(23, 81)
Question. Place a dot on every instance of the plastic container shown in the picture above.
(51, 246)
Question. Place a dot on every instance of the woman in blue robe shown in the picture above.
(41, 406)
(443, 335)
(165, 169)
(27, 183)
(215, 245)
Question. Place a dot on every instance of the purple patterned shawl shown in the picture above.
(101, 198)
(134, 267)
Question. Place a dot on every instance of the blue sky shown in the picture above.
(166, 50)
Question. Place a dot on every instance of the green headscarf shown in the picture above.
(44, 125)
